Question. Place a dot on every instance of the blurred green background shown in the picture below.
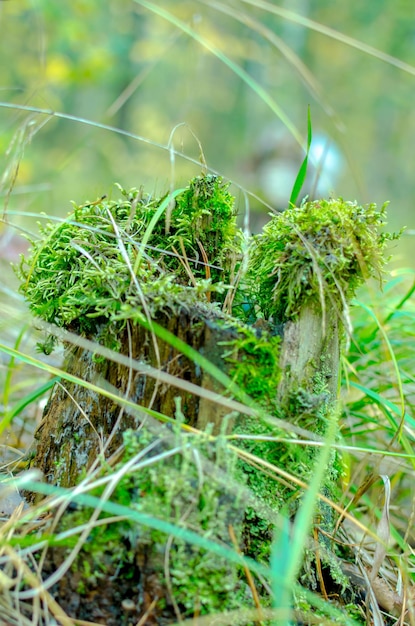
(226, 82)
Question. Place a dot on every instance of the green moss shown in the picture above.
(177, 491)
(203, 220)
(254, 360)
(324, 246)
(93, 267)
(188, 489)
(253, 357)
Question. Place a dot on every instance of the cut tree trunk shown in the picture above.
(310, 351)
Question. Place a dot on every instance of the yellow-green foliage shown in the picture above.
(322, 247)
(93, 265)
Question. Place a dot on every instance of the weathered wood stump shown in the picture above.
(109, 271)
(311, 348)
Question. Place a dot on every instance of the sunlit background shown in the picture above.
(225, 83)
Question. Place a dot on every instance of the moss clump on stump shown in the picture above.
(112, 257)
(185, 488)
(322, 250)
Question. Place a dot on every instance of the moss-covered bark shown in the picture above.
(78, 423)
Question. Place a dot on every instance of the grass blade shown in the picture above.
(262, 93)
(297, 18)
(24, 402)
(302, 173)
(280, 559)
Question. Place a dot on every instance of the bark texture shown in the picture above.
(79, 425)
(310, 348)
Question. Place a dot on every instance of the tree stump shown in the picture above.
(107, 273)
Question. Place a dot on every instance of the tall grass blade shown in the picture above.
(332, 33)
(304, 517)
(262, 93)
(302, 173)
(145, 519)
(279, 44)
(24, 402)
(149, 230)
(280, 559)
